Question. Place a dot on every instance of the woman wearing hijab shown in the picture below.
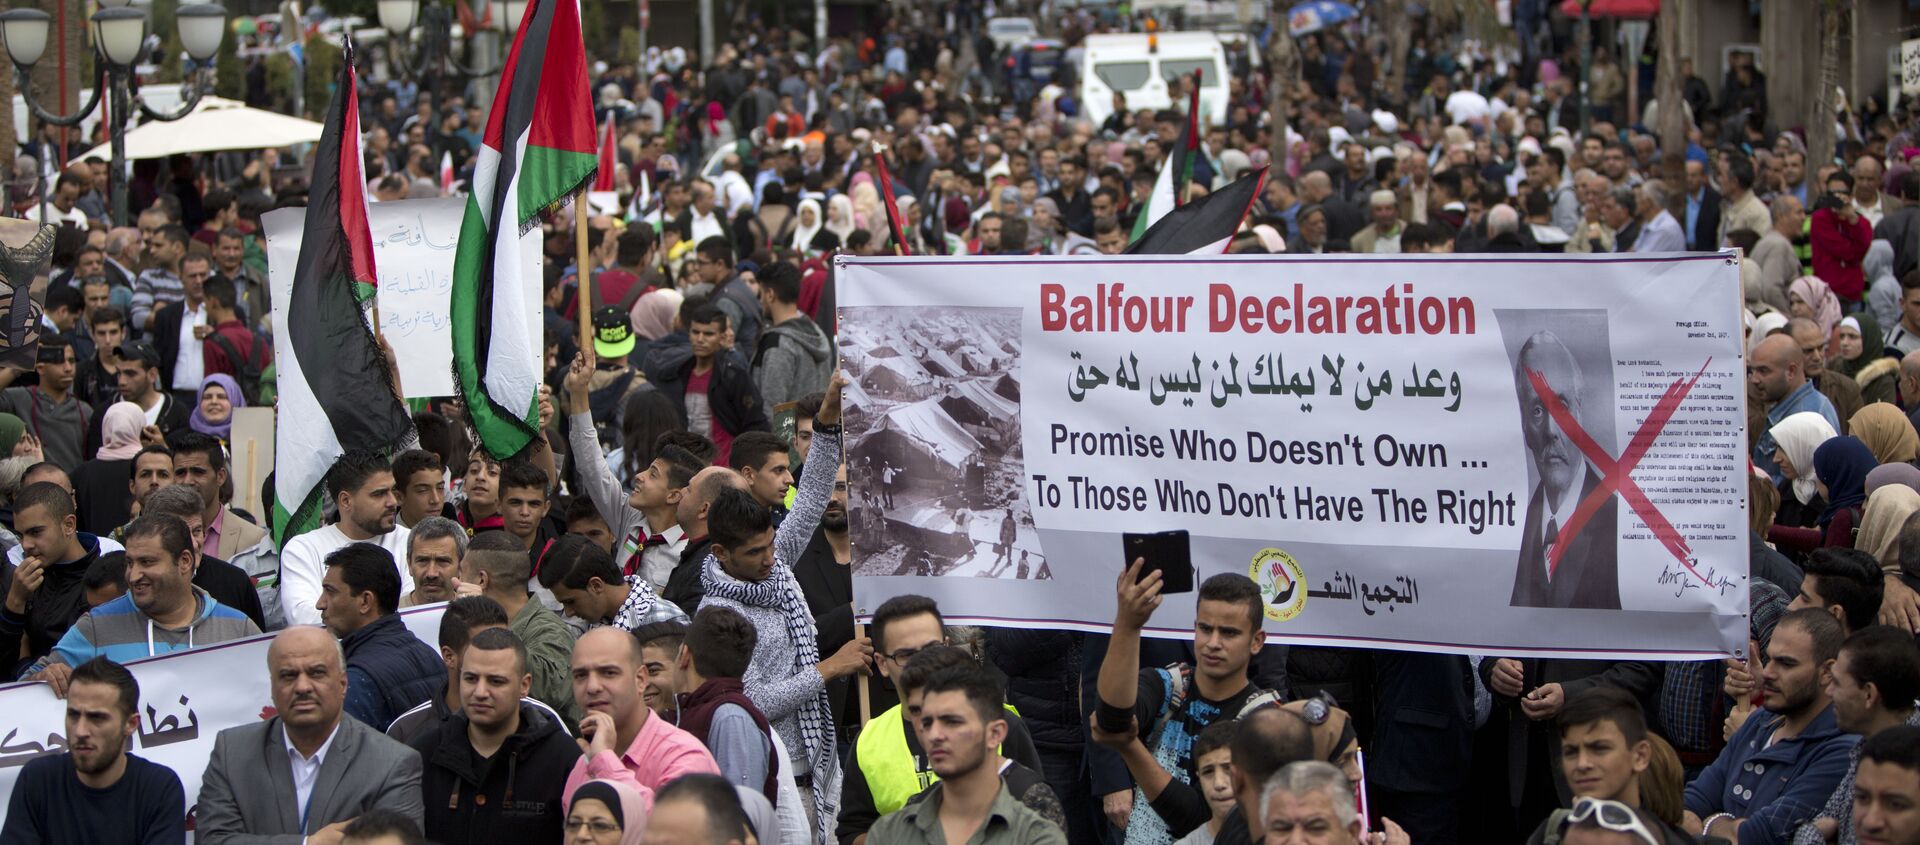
(1883, 288)
(1887, 432)
(1811, 298)
(840, 216)
(1795, 439)
(1764, 326)
(1886, 513)
(1886, 475)
(1840, 467)
(213, 415)
(607, 812)
(1860, 354)
(13, 431)
(100, 489)
(807, 223)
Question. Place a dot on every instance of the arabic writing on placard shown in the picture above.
(154, 731)
(1344, 587)
(1268, 376)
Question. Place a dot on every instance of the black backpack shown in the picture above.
(246, 369)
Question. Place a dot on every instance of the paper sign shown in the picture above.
(414, 243)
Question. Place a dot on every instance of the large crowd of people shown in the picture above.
(647, 632)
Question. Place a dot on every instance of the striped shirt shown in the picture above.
(151, 289)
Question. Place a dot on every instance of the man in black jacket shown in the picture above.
(496, 770)
(712, 390)
(142, 381)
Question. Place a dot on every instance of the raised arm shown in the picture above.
(816, 479)
(589, 462)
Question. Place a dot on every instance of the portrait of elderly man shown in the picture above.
(1585, 574)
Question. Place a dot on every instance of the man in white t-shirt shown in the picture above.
(361, 484)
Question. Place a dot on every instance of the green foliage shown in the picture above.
(629, 45)
(280, 75)
(323, 69)
(230, 74)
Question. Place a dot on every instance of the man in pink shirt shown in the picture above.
(607, 683)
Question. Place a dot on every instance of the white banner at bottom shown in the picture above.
(186, 699)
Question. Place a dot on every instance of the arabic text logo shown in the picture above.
(1282, 583)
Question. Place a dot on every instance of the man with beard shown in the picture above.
(162, 611)
(307, 755)
(962, 722)
(97, 792)
(1874, 684)
(748, 571)
(1777, 377)
(389, 670)
(435, 547)
(477, 757)
(152, 470)
(361, 484)
(1781, 765)
(825, 573)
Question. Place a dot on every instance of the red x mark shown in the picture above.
(1617, 476)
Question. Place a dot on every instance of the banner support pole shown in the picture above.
(866, 701)
(583, 295)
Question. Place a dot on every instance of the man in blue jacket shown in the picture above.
(1778, 769)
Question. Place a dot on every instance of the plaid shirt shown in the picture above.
(1691, 697)
(1840, 804)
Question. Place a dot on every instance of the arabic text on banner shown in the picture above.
(186, 699)
(1541, 455)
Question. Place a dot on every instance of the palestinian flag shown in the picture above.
(1170, 190)
(335, 392)
(1206, 225)
(894, 223)
(603, 180)
(537, 150)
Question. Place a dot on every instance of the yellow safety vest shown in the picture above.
(894, 773)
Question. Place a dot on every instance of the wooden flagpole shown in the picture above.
(583, 295)
(865, 683)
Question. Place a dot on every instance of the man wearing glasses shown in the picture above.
(1839, 388)
(888, 766)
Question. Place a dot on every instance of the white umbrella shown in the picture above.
(217, 124)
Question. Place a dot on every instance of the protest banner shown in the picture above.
(413, 243)
(186, 699)
(1526, 456)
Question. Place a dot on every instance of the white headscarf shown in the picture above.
(1764, 325)
(803, 233)
(1797, 436)
(844, 228)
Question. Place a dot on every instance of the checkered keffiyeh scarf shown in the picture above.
(781, 592)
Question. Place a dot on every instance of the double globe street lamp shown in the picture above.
(119, 34)
(400, 17)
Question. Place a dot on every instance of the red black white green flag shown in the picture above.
(538, 149)
(335, 391)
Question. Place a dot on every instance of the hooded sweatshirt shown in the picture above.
(512, 796)
(60, 600)
(120, 631)
(794, 360)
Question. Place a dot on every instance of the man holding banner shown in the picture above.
(97, 792)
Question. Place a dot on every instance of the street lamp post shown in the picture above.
(400, 17)
(119, 31)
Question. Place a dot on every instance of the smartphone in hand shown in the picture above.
(1170, 552)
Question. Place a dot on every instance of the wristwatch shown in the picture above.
(822, 428)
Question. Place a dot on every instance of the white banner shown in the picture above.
(1366, 437)
(413, 244)
(186, 699)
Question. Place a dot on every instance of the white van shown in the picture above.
(1110, 63)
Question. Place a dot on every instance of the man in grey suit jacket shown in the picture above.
(301, 776)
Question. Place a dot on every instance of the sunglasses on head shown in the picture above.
(1610, 815)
